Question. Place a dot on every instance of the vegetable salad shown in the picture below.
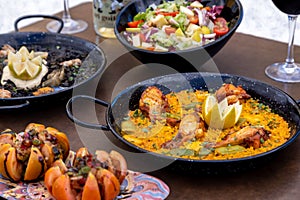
(176, 25)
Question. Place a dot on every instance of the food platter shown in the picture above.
(58, 45)
(136, 185)
(36, 179)
(181, 60)
(279, 101)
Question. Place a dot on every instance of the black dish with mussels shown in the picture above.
(44, 67)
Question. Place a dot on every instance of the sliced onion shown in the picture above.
(209, 36)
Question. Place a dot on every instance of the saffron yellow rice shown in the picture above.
(150, 136)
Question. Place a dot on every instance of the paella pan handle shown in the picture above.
(16, 106)
(78, 121)
(39, 16)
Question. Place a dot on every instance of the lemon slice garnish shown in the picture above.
(24, 65)
(25, 70)
(23, 51)
(220, 115)
(37, 60)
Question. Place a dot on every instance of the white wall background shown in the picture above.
(261, 17)
(10, 10)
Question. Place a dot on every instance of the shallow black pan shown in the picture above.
(92, 66)
(278, 100)
(233, 13)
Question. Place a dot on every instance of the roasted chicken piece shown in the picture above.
(88, 177)
(249, 136)
(153, 103)
(190, 126)
(232, 93)
(27, 155)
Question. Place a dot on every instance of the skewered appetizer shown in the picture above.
(88, 177)
(27, 155)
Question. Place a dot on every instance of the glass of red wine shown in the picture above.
(288, 71)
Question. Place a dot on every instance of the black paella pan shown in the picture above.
(280, 102)
(59, 46)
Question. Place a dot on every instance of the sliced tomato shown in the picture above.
(134, 24)
(221, 27)
(170, 30)
(194, 19)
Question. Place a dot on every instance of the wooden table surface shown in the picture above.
(243, 55)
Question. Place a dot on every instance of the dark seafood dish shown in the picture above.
(29, 71)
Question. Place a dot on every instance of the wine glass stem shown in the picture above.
(292, 26)
(66, 14)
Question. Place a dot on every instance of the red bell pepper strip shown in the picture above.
(134, 24)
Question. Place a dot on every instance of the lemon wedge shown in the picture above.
(220, 115)
(23, 84)
(24, 69)
(38, 60)
(24, 53)
(23, 65)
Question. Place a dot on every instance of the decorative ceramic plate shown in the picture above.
(135, 186)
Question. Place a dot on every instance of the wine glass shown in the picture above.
(70, 25)
(288, 71)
